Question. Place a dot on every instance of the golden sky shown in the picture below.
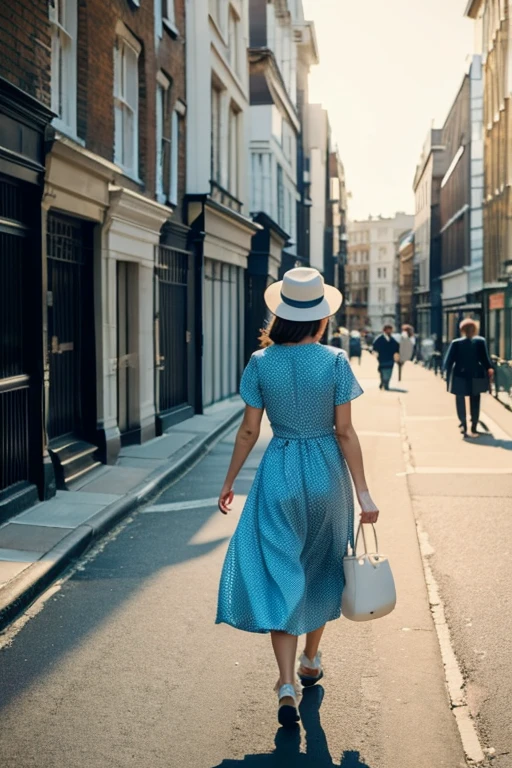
(388, 68)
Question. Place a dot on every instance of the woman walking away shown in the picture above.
(283, 571)
(469, 372)
(387, 349)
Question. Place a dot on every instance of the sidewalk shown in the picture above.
(38, 544)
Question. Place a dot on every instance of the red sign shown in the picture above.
(497, 301)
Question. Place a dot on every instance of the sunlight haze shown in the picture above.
(387, 70)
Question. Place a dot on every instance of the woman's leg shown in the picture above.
(313, 642)
(460, 403)
(285, 649)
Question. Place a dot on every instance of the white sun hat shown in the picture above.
(302, 295)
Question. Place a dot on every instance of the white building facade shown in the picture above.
(217, 201)
(373, 248)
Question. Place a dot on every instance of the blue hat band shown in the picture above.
(301, 304)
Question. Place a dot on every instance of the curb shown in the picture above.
(19, 593)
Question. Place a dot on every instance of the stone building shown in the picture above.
(427, 249)
(405, 280)
(217, 200)
(493, 34)
(461, 206)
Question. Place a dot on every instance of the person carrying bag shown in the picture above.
(469, 373)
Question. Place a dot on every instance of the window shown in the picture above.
(167, 143)
(233, 42)
(168, 14)
(165, 17)
(382, 295)
(384, 272)
(216, 134)
(126, 104)
(280, 197)
(63, 19)
(233, 153)
(379, 273)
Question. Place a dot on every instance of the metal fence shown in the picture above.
(502, 389)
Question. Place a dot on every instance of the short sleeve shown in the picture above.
(250, 390)
(346, 385)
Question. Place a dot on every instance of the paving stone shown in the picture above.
(31, 538)
(120, 479)
(61, 514)
(19, 555)
(9, 570)
(86, 496)
(161, 448)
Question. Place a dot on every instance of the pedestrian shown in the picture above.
(355, 347)
(388, 350)
(469, 372)
(406, 347)
(283, 572)
(335, 340)
(344, 339)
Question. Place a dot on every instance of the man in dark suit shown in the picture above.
(387, 349)
(469, 373)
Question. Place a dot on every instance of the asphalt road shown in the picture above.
(122, 665)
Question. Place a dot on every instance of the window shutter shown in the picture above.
(159, 140)
(173, 186)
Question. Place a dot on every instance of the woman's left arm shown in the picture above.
(351, 450)
(246, 439)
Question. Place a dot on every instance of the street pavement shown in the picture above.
(121, 664)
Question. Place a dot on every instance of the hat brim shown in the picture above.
(331, 303)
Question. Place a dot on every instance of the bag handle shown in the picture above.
(360, 528)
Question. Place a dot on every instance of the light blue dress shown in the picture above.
(284, 565)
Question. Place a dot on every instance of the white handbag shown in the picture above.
(369, 591)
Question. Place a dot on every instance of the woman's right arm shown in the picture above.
(351, 449)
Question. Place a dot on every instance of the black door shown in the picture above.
(70, 328)
(15, 317)
(172, 335)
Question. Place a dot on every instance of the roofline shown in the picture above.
(472, 8)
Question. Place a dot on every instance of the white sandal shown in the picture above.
(316, 664)
(288, 709)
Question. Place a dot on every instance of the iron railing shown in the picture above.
(502, 388)
(14, 433)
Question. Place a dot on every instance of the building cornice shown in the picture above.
(133, 207)
(305, 38)
(263, 60)
(472, 8)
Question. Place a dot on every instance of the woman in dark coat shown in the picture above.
(469, 372)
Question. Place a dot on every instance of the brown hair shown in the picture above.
(467, 324)
(280, 331)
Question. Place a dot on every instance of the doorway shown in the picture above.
(127, 354)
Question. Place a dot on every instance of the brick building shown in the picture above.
(116, 275)
(24, 117)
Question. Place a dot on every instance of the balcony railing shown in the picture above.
(222, 196)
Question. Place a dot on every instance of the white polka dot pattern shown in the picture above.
(284, 565)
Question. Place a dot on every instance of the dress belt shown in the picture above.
(303, 438)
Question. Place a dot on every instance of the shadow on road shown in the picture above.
(146, 545)
(287, 753)
(487, 439)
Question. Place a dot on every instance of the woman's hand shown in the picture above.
(369, 510)
(490, 373)
(225, 499)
